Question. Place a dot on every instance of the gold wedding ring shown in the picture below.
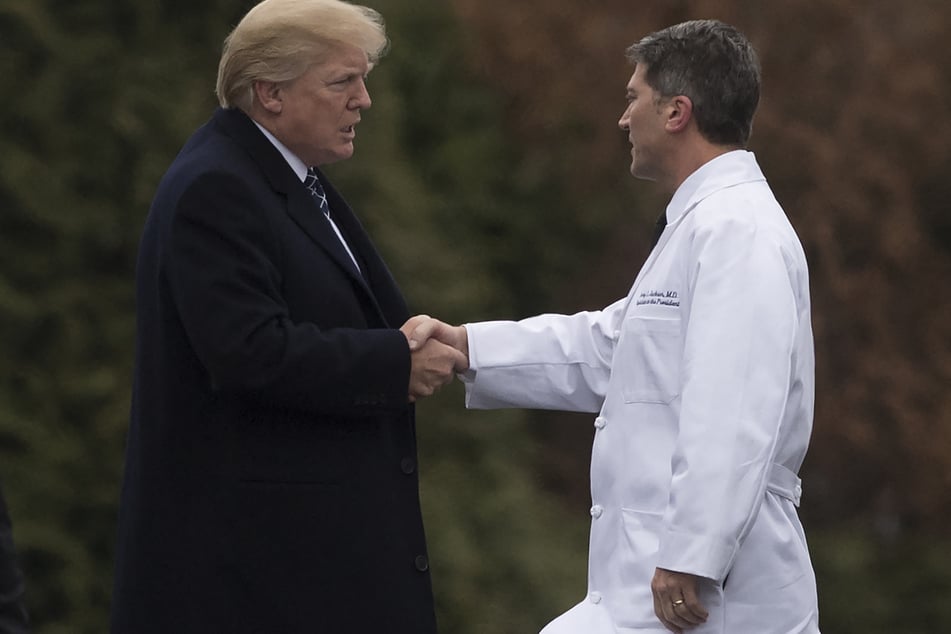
(677, 602)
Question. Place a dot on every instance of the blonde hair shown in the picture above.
(278, 40)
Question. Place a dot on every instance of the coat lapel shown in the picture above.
(651, 259)
(376, 283)
(376, 274)
(301, 208)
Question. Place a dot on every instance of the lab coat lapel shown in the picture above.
(652, 259)
(698, 186)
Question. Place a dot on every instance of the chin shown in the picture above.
(641, 174)
(334, 157)
(344, 153)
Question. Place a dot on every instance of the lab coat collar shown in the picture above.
(729, 169)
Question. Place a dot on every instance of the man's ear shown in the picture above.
(679, 113)
(269, 95)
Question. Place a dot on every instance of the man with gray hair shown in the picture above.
(271, 481)
(702, 377)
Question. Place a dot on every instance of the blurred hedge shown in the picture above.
(105, 93)
(492, 176)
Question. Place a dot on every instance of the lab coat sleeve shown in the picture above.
(735, 384)
(560, 362)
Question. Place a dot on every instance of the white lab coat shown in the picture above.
(703, 377)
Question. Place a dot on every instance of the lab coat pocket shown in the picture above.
(651, 354)
(638, 559)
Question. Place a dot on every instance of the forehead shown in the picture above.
(638, 83)
(347, 57)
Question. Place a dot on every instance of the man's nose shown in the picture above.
(361, 99)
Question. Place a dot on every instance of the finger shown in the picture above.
(422, 391)
(686, 611)
(692, 610)
(672, 612)
(450, 360)
(432, 367)
(422, 332)
(662, 591)
(459, 360)
(461, 363)
(660, 603)
(677, 599)
(683, 617)
(412, 323)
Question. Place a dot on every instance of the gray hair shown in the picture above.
(713, 65)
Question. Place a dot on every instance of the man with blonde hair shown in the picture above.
(271, 481)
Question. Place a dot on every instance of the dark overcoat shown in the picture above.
(270, 479)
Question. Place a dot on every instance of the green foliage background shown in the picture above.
(100, 95)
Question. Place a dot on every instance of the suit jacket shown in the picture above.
(270, 482)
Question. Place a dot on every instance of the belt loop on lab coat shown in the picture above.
(785, 483)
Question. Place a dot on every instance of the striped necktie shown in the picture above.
(312, 183)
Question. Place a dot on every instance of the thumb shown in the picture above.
(411, 324)
(422, 332)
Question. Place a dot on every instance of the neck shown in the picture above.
(693, 157)
(263, 118)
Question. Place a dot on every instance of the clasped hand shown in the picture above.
(676, 600)
(437, 351)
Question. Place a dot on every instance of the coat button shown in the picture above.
(596, 511)
(407, 465)
(595, 597)
(422, 564)
(599, 422)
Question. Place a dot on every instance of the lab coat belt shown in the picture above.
(785, 483)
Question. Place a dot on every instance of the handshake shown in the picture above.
(438, 351)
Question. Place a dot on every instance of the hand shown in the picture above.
(675, 600)
(433, 364)
(411, 324)
(429, 328)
